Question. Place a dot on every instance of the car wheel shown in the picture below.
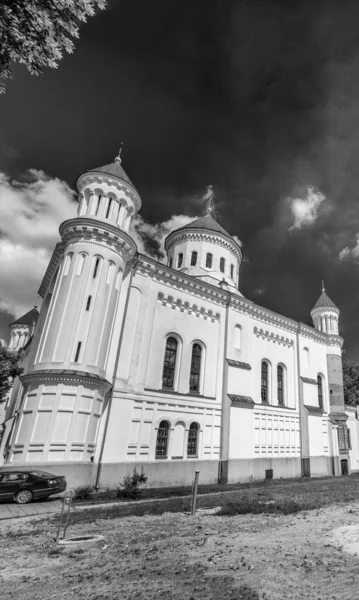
(23, 497)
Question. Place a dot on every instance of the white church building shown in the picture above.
(134, 362)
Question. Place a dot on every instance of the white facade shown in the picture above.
(135, 362)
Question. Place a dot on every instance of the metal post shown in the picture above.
(194, 492)
(67, 501)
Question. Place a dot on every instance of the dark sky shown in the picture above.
(259, 98)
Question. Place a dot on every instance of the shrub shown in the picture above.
(83, 492)
(130, 487)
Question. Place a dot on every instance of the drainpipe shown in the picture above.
(303, 418)
(99, 468)
(226, 408)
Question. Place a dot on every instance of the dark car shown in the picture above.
(24, 486)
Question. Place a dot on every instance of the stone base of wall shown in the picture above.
(178, 472)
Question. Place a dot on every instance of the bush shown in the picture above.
(130, 488)
(83, 492)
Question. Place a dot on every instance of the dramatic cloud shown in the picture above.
(305, 211)
(31, 212)
(150, 238)
(350, 253)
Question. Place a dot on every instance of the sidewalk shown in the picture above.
(11, 510)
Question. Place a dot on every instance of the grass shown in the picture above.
(274, 497)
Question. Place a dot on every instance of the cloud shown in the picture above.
(32, 208)
(305, 211)
(236, 239)
(350, 253)
(150, 238)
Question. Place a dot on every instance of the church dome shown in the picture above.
(325, 314)
(204, 249)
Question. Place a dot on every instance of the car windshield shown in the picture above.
(42, 474)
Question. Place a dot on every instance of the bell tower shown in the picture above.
(68, 375)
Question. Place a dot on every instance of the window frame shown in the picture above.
(320, 391)
(159, 441)
(209, 259)
(222, 264)
(194, 258)
(196, 372)
(166, 366)
(265, 397)
(179, 260)
(281, 389)
(197, 429)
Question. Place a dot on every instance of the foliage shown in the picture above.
(284, 506)
(130, 488)
(37, 32)
(351, 382)
(83, 492)
(9, 369)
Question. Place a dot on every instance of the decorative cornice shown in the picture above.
(51, 268)
(84, 229)
(308, 380)
(191, 309)
(314, 410)
(214, 238)
(66, 376)
(241, 401)
(338, 417)
(238, 364)
(99, 177)
(272, 337)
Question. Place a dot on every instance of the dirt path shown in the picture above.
(178, 557)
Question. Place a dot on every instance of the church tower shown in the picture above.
(67, 375)
(325, 315)
(205, 250)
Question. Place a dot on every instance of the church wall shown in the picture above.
(353, 426)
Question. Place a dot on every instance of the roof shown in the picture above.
(206, 222)
(324, 301)
(115, 168)
(28, 319)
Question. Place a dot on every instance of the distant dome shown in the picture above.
(324, 302)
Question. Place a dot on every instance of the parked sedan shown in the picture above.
(24, 486)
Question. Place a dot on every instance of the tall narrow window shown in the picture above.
(194, 378)
(193, 259)
(170, 263)
(88, 303)
(192, 446)
(264, 382)
(95, 270)
(162, 439)
(222, 263)
(179, 260)
(320, 391)
(78, 350)
(209, 260)
(109, 206)
(280, 385)
(169, 365)
(110, 272)
(237, 336)
(232, 271)
(98, 204)
(68, 260)
(80, 264)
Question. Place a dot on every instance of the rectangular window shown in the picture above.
(88, 303)
(222, 263)
(193, 259)
(232, 271)
(78, 350)
(209, 261)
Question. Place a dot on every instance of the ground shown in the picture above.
(178, 556)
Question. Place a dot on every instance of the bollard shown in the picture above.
(194, 493)
(67, 501)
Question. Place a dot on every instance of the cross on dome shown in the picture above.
(118, 157)
(209, 208)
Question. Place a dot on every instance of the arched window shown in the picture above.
(320, 391)
(194, 378)
(193, 259)
(222, 263)
(232, 271)
(80, 264)
(96, 267)
(109, 206)
(68, 260)
(305, 357)
(162, 439)
(110, 272)
(209, 257)
(179, 260)
(237, 336)
(169, 365)
(264, 381)
(192, 445)
(280, 385)
(97, 205)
